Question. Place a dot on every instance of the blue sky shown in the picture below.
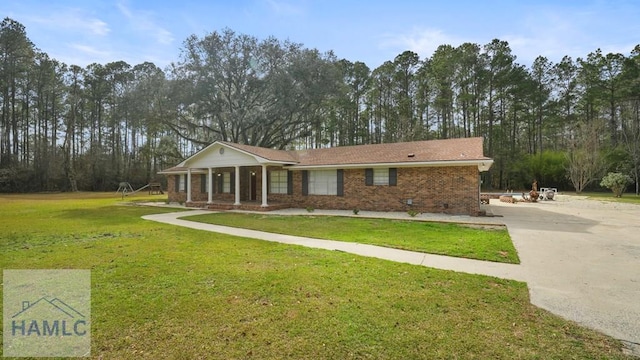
(84, 31)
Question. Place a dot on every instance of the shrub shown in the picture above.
(356, 211)
(310, 209)
(617, 182)
(412, 213)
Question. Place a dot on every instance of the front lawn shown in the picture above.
(483, 243)
(166, 292)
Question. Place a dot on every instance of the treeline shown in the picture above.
(64, 127)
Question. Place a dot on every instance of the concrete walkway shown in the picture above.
(506, 271)
(580, 258)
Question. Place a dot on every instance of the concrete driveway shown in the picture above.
(581, 260)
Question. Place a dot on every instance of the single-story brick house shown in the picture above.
(426, 176)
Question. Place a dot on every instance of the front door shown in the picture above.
(252, 186)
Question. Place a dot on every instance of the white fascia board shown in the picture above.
(206, 170)
(206, 149)
(258, 158)
(182, 172)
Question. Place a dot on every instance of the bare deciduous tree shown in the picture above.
(584, 161)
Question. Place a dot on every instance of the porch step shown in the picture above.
(231, 206)
(247, 207)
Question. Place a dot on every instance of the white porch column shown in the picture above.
(237, 186)
(189, 185)
(209, 186)
(264, 186)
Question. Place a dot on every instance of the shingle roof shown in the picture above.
(465, 149)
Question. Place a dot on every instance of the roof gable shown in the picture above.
(222, 153)
(265, 153)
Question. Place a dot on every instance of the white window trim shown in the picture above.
(380, 176)
(323, 182)
(226, 183)
(278, 182)
(182, 184)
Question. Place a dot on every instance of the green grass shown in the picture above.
(161, 291)
(628, 198)
(490, 243)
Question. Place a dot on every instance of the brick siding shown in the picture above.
(452, 190)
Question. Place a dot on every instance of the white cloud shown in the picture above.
(98, 27)
(551, 37)
(423, 41)
(549, 33)
(90, 50)
(73, 19)
(555, 32)
(74, 53)
(124, 10)
(552, 30)
(143, 22)
(280, 7)
(82, 55)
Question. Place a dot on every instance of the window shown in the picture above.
(226, 182)
(323, 182)
(278, 182)
(182, 183)
(380, 176)
(204, 183)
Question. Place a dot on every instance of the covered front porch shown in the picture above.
(230, 176)
(224, 185)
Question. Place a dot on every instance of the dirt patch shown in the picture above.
(484, 226)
